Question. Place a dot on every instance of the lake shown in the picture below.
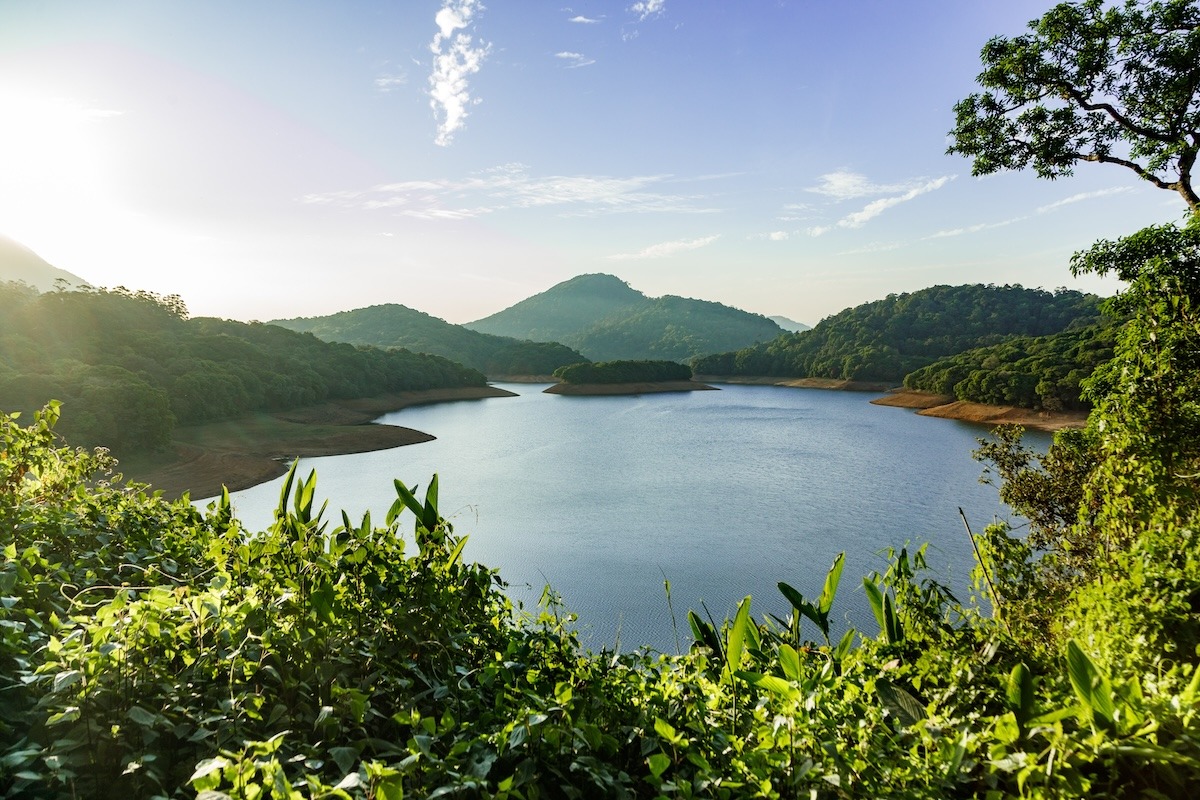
(722, 493)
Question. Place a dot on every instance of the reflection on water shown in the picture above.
(723, 493)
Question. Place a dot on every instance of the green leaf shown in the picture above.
(825, 602)
(665, 730)
(906, 708)
(1020, 692)
(736, 643)
(772, 684)
(789, 662)
(1090, 685)
(456, 552)
(205, 768)
(142, 717)
(875, 599)
(658, 764)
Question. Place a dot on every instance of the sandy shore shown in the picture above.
(244, 452)
(946, 407)
(589, 389)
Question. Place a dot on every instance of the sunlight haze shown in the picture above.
(276, 159)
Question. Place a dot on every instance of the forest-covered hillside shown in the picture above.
(130, 366)
(1038, 372)
(393, 325)
(887, 339)
(603, 318)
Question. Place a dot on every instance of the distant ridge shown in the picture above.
(789, 325)
(394, 325)
(604, 318)
(19, 263)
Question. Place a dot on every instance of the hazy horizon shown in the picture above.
(271, 161)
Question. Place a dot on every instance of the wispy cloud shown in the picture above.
(664, 249)
(846, 185)
(844, 188)
(877, 207)
(582, 20)
(512, 187)
(648, 8)
(983, 226)
(576, 59)
(455, 58)
(1078, 198)
(387, 83)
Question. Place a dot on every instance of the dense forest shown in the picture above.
(887, 339)
(1038, 372)
(603, 318)
(130, 366)
(624, 372)
(392, 325)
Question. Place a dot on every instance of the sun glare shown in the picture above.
(55, 166)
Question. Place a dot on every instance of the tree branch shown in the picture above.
(1141, 171)
(1083, 102)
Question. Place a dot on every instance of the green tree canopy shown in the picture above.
(1116, 85)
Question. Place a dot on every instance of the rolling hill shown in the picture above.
(19, 263)
(605, 319)
(887, 339)
(393, 325)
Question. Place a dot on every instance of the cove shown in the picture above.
(722, 493)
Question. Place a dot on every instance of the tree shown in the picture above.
(1114, 85)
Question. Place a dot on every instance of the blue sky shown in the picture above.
(266, 159)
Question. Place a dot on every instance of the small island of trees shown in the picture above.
(624, 372)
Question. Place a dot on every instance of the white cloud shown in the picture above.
(585, 20)
(1076, 198)
(576, 59)
(845, 185)
(512, 187)
(386, 83)
(877, 207)
(983, 226)
(648, 8)
(664, 249)
(778, 236)
(455, 58)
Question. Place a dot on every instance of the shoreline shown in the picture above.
(260, 447)
(836, 384)
(608, 389)
(946, 407)
(926, 404)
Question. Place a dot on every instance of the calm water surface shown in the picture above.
(724, 493)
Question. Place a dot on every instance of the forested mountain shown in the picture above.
(886, 339)
(393, 325)
(788, 324)
(130, 366)
(19, 263)
(1039, 372)
(603, 318)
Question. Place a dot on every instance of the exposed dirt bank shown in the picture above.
(626, 388)
(936, 405)
(244, 452)
(927, 404)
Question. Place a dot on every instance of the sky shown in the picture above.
(282, 158)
